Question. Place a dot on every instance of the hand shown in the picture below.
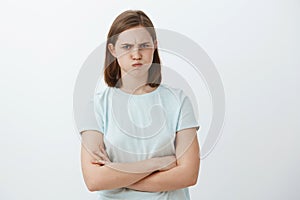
(166, 162)
(101, 157)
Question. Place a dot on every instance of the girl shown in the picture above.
(145, 144)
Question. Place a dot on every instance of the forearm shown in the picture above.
(114, 175)
(173, 179)
(108, 177)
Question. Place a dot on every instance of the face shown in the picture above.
(134, 50)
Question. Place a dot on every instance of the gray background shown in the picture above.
(254, 45)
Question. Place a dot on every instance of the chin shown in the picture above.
(138, 73)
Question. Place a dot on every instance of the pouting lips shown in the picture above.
(137, 64)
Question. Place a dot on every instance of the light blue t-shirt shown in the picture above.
(139, 127)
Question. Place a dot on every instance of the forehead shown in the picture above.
(134, 35)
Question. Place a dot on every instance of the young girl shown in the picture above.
(145, 144)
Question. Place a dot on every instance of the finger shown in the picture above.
(98, 161)
(105, 156)
(100, 157)
(104, 152)
(99, 154)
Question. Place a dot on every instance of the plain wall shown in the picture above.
(255, 48)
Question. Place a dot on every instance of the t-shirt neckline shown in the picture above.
(118, 90)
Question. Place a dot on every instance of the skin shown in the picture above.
(155, 174)
(184, 174)
(101, 175)
(134, 45)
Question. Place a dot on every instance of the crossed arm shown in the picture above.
(152, 175)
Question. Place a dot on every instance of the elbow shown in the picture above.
(193, 176)
(91, 188)
(193, 180)
(93, 181)
(92, 185)
(189, 179)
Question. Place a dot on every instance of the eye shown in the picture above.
(144, 46)
(126, 46)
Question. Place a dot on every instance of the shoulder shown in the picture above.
(168, 90)
(102, 93)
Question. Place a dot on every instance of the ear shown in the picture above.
(155, 44)
(111, 49)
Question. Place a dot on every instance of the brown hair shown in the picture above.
(127, 20)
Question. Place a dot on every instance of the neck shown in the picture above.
(134, 84)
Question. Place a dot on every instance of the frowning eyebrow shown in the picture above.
(132, 44)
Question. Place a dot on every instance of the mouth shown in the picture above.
(137, 65)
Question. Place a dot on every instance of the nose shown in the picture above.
(136, 54)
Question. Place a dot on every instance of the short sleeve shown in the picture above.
(99, 111)
(186, 118)
(92, 116)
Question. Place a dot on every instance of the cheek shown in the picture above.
(122, 61)
(121, 54)
(148, 55)
(122, 57)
